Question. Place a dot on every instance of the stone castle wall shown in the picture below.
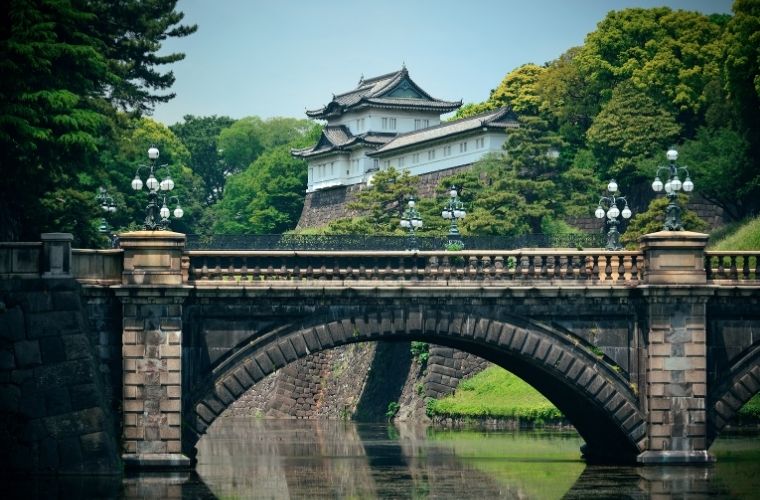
(55, 406)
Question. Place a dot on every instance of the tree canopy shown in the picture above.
(68, 66)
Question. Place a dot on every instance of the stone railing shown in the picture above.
(20, 259)
(252, 268)
(97, 267)
(734, 266)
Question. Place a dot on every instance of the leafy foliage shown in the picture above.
(267, 196)
(199, 134)
(653, 219)
(67, 67)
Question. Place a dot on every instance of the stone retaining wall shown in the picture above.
(447, 367)
(55, 414)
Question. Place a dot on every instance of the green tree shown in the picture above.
(267, 197)
(629, 128)
(65, 72)
(380, 206)
(199, 135)
(653, 219)
(722, 169)
(520, 187)
(673, 55)
(519, 90)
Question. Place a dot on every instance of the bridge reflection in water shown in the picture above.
(245, 458)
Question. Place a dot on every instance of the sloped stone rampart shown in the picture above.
(55, 416)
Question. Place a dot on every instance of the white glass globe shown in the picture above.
(137, 183)
(599, 212)
(152, 183)
(464, 214)
(446, 214)
(613, 212)
(178, 212)
(405, 223)
(458, 214)
(453, 193)
(688, 186)
(164, 185)
(676, 183)
(612, 186)
(668, 187)
(657, 185)
(112, 208)
(417, 223)
(671, 155)
(411, 203)
(626, 213)
(153, 153)
(169, 182)
(164, 212)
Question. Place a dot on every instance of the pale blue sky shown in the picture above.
(279, 57)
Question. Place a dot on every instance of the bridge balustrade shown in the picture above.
(251, 268)
(739, 266)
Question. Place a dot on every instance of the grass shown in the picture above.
(744, 236)
(751, 410)
(494, 393)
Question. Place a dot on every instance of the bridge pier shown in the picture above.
(676, 361)
(152, 294)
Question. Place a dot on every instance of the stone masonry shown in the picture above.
(152, 295)
(54, 414)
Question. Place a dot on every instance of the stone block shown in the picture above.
(57, 401)
(7, 360)
(76, 423)
(659, 404)
(52, 350)
(52, 323)
(32, 404)
(170, 351)
(170, 378)
(76, 346)
(133, 405)
(660, 350)
(12, 324)
(169, 432)
(69, 450)
(133, 351)
(151, 447)
(27, 353)
(9, 398)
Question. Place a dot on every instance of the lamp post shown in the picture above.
(454, 210)
(672, 186)
(610, 202)
(156, 218)
(411, 220)
(108, 205)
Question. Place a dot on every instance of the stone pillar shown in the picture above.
(676, 370)
(56, 255)
(152, 294)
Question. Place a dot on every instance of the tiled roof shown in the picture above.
(339, 138)
(498, 119)
(373, 91)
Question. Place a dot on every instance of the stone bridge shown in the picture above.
(648, 353)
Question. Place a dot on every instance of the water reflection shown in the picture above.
(319, 459)
(250, 458)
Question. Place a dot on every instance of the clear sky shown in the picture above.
(280, 57)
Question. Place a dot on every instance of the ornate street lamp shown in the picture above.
(453, 211)
(411, 220)
(108, 205)
(672, 186)
(609, 206)
(156, 218)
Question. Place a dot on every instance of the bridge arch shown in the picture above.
(591, 394)
(740, 384)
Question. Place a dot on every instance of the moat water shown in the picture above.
(253, 458)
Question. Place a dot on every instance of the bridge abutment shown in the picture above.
(152, 294)
(676, 297)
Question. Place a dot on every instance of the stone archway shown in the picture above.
(740, 384)
(596, 399)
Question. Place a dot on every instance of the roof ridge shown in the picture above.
(454, 122)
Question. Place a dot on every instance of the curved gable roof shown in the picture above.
(391, 90)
